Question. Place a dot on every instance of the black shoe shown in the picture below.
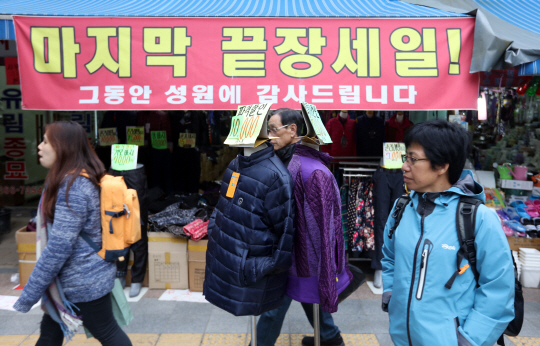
(336, 341)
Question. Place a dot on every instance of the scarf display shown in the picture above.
(54, 301)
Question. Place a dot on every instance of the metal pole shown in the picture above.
(316, 327)
(253, 331)
(95, 123)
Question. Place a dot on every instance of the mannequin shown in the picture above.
(396, 127)
(369, 135)
(341, 131)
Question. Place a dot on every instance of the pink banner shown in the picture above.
(81, 63)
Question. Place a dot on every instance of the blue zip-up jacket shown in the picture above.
(421, 257)
(83, 274)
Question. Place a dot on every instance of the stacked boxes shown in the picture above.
(26, 247)
(167, 261)
(197, 264)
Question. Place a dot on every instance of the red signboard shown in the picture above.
(84, 63)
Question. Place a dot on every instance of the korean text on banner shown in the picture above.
(124, 157)
(392, 155)
(249, 126)
(220, 63)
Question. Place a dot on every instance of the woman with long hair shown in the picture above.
(72, 280)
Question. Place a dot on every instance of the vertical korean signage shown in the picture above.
(82, 63)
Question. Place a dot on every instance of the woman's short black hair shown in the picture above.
(443, 142)
(291, 116)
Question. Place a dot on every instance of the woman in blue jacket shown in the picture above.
(420, 257)
(71, 279)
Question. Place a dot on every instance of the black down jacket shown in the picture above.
(250, 237)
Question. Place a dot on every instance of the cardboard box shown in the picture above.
(197, 264)
(26, 248)
(517, 184)
(167, 261)
(517, 242)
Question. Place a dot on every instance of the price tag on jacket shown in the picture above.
(159, 139)
(232, 184)
(316, 131)
(249, 126)
(135, 135)
(124, 157)
(392, 155)
(108, 136)
(187, 140)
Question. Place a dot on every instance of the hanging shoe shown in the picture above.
(336, 341)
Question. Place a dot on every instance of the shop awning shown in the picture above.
(217, 8)
(507, 33)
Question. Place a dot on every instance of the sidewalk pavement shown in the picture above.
(167, 323)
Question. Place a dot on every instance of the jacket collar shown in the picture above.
(303, 150)
(255, 158)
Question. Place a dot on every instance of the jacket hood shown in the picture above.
(465, 186)
(304, 150)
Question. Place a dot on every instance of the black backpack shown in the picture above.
(465, 222)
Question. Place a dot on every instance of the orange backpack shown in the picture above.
(120, 219)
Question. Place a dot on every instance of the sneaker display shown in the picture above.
(336, 341)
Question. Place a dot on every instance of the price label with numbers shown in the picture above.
(108, 136)
(187, 140)
(315, 126)
(248, 126)
(124, 157)
(135, 135)
(159, 139)
(392, 155)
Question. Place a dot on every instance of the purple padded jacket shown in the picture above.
(319, 271)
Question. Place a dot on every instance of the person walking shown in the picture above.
(285, 125)
(71, 279)
(428, 301)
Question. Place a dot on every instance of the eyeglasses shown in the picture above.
(275, 130)
(411, 160)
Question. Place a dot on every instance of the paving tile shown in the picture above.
(299, 324)
(19, 324)
(531, 294)
(153, 306)
(12, 339)
(353, 324)
(182, 339)
(350, 307)
(360, 339)
(384, 339)
(238, 339)
(372, 307)
(379, 323)
(224, 322)
(187, 322)
(148, 323)
(532, 309)
(525, 341)
(153, 294)
(194, 308)
(30, 341)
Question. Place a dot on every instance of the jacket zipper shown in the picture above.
(414, 272)
(428, 245)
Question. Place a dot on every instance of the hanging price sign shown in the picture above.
(108, 136)
(159, 139)
(248, 126)
(187, 140)
(392, 155)
(124, 157)
(135, 135)
(315, 126)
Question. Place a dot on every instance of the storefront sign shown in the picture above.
(249, 126)
(392, 155)
(135, 135)
(220, 63)
(124, 157)
(108, 136)
(159, 139)
(12, 71)
(315, 125)
(187, 140)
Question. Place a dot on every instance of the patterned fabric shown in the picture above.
(351, 212)
(343, 192)
(364, 236)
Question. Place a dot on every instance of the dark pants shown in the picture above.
(387, 187)
(97, 317)
(136, 179)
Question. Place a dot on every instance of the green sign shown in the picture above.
(124, 157)
(392, 155)
(248, 126)
(108, 136)
(159, 139)
(135, 135)
(315, 125)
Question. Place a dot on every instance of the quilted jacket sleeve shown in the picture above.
(279, 206)
(322, 198)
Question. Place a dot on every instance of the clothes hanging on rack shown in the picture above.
(363, 234)
(344, 194)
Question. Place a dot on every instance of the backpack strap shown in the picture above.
(398, 213)
(90, 242)
(465, 226)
